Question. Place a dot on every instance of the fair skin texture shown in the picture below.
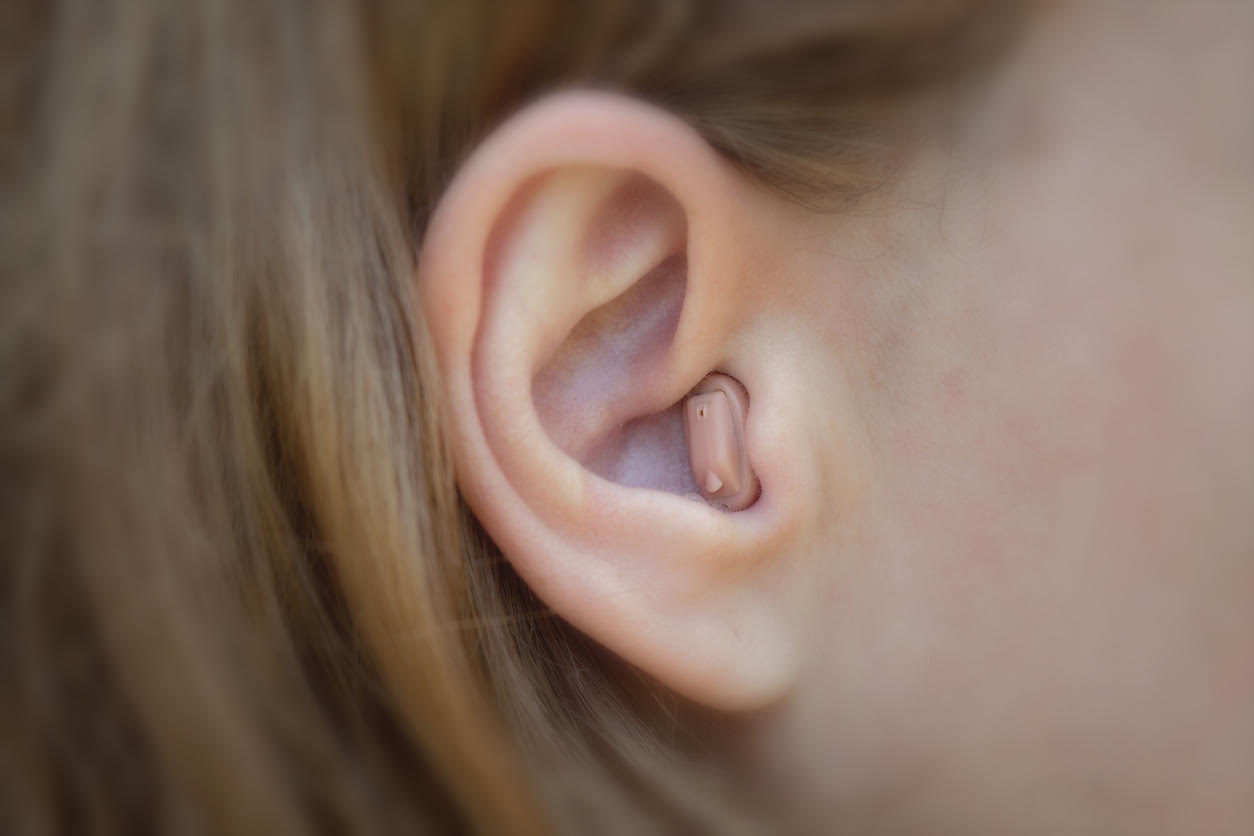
(1001, 574)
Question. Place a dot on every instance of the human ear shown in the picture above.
(584, 272)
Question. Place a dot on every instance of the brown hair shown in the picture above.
(238, 589)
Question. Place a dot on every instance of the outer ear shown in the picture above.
(584, 271)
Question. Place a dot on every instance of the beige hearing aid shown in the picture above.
(714, 423)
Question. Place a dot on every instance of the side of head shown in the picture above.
(354, 359)
(242, 585)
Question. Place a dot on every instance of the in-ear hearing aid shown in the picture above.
(714, 424)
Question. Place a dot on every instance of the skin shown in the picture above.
(1046, 621)
(1001, 575)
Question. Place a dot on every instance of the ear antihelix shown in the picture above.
(714, 427)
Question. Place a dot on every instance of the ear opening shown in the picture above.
(587, 392)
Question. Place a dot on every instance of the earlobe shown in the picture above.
(580, 280)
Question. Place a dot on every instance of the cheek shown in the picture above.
(1058, 562)
(1054, 578)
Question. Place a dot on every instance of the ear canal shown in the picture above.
(714, 422)
(593, 393)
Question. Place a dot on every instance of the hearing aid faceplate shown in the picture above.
(714, 422)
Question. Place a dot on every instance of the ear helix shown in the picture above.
(714, 425)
